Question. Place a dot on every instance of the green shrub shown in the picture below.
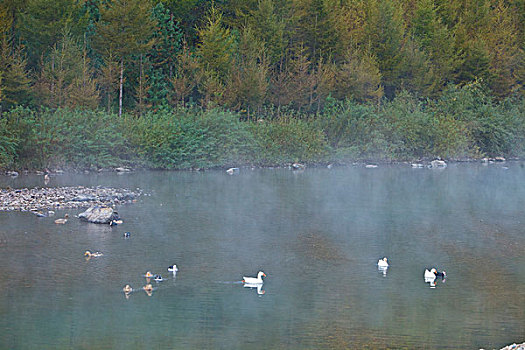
(286, 139)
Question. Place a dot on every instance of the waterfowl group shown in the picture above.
(433, 273)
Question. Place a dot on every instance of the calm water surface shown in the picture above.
(317, 235)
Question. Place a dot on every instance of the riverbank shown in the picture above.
(463, 123)
(513, 347)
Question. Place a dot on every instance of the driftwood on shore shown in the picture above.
(36, 199)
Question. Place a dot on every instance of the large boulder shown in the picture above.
(99, 215)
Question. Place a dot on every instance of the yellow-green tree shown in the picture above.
(125, 28)
(216, 56)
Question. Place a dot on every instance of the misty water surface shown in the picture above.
(317, 235)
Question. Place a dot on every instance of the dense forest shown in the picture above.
(196, 83)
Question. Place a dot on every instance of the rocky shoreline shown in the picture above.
(515, 347)
(512, 347)
(52, 198)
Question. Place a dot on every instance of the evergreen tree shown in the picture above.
(436, 40)
(347, 19)
(186, 76)
(66, 79)
(15, 84)
(248, 85)
(125, 28)
(216, 54)
(162, 55)
(358, 78)
(384, 34)
(268, 29)
(42, 22)
(505, 52)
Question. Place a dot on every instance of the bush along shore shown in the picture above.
(464, 123)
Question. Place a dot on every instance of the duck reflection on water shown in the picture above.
(258, 286)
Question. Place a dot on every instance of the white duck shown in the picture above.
(382, 262)
(173, 268)
(430, 276)
(253, 280)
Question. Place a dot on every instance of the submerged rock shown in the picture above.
(298, 166)
(233, 171)
(99, 215)
(438, 164)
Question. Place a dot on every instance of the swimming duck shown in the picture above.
(158, 278)
(253, 280)
(382, 262)
(173, 268)
(88, 254)
(115, 222)
(430, 274)
(127, 234)
(148, 288)
(148, 275)
(127, 289)
(442, 274)
(62, 221)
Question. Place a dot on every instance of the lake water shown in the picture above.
(317, 235)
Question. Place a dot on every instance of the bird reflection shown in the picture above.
(259, 287)
(382, 269)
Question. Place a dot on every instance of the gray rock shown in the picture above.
(99, 215)
(233, 171)
(438, 164)
(84, 198)
(298, 166)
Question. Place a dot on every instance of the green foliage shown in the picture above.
(42, 23)
(15, 83)
(288, 139)
(189, 138)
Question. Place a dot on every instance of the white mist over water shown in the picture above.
(316, 234)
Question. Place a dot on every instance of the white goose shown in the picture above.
(430, 276)
(253, 280)
(382, 262)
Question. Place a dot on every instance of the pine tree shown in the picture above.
(42, 22)
(384, 33)
(505, 53)
(186, 76)
(65, 69)
(436, 40)
(248, 85)
(15, 84)
(267, 28)
(358, 78)
(125, 28)
(161, 58)
(216, 55)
